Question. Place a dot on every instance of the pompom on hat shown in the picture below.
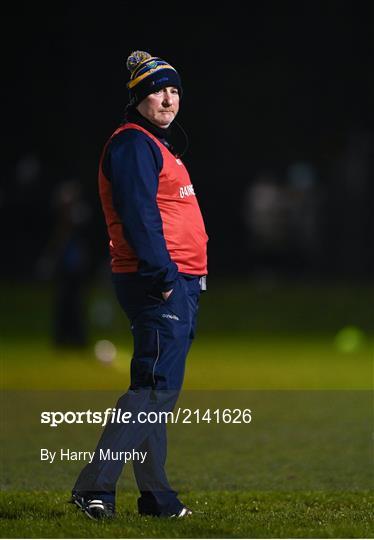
(149, 74)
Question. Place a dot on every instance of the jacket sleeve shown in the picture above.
(133, 163)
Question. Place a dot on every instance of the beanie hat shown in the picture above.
(149, 74)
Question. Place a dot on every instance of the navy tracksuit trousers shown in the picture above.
(163, 332)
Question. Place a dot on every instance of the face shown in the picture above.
(161, 107)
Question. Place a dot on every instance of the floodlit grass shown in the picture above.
(215, 362)
(251, 337)
(218, 515)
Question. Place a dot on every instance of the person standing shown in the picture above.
(158, 247)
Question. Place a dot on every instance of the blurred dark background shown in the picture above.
(277, 105)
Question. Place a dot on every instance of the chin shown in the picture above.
(166, 120)
(164, 124)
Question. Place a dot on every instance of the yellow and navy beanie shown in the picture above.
(149, 74)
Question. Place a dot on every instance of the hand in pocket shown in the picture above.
(165, 295)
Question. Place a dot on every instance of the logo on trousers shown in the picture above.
(168, 316)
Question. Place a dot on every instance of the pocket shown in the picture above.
(177, 304)
(177, 296)
(174, 293)
(160, 299)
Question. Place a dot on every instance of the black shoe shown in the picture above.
(77, 499)
(93, 506)
(97, 509)
(183, 513)
(149, 508)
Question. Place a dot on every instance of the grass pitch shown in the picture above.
(217, 515)
(303, 470)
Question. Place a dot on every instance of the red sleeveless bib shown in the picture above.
(182, 222)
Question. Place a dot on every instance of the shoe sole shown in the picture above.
(184, 513)
(103, 517)
(79, 505)
(89, 515)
